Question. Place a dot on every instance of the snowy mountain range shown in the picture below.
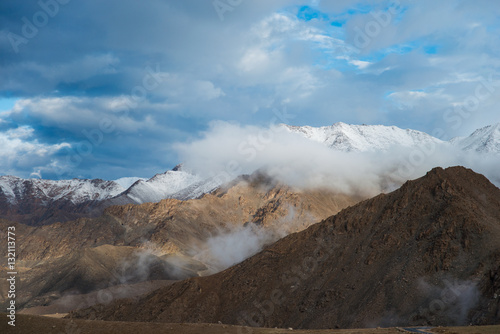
(171, 184)
(484, 140)
(76, 191)
(364, 138)
(177, 183)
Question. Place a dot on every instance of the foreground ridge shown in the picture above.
(387, 261)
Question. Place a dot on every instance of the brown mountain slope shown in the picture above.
(91, 269)
(173, 226)
(427, 253)
(180, 234)
(30, 324)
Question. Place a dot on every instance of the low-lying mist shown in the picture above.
(237, 242)
(448, 303)
(230, 244)
(227, 150)
(233, 246)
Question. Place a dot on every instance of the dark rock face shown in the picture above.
(425, 254)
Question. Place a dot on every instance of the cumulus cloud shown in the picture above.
(19, 151)
(77, 113)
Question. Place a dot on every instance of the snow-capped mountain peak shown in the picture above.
(160, 186)
(76, 191)
(22, 196)
(483, 140)
(126, 182)
(175, 183)
(361, 138)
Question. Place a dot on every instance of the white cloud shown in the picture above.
(408, 99)
(255, 59)
(259, 57)
(228, 150)
(360, 63)
(206, 90)
(184, 89)
(77, 113)
(19, 152)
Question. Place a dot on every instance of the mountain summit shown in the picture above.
(361, 138)
(425, 254)
(484, 140)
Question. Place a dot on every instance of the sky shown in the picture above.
(109, 89)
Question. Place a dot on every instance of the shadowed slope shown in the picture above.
(427, 253)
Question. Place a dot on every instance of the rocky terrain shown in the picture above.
(168, 240)
(425, 254)
(30, 324)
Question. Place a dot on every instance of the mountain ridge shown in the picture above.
(181, 184)
(483, 140)
(385, 261)
(361, 138)
(191, 237)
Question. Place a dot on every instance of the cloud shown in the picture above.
(263, 55)
(76, 113)
(450, 302)
(54, 76)
(93, 132)
(230, 247)
(19, 152)
(227, 150)
(237, 242)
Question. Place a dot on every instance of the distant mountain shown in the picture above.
(371, 138)
(126, 182)
(38, 201)
(41, 202)
(363, 138)
(425, 254)
(76, 191)
(175, 183)
(484, 140)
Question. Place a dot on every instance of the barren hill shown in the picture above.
(171, 239)
(425, 254)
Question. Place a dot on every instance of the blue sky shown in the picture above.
(106, 90)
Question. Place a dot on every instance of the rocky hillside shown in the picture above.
(425, 254)
(173, 239)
